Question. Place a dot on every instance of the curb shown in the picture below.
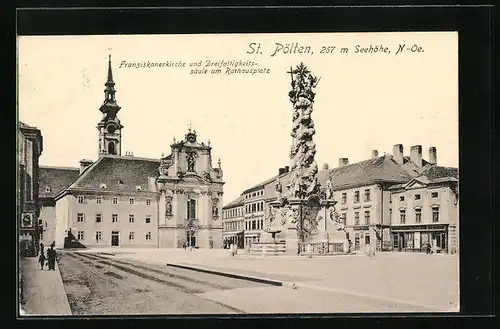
(230, 275)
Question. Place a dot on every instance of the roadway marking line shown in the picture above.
(346, 292)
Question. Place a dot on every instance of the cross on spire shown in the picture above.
(291, 73)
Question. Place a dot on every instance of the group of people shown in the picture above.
(50, 259)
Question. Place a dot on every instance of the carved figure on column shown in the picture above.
(329, 189)
(279, 189)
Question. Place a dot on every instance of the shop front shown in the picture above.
(415, 238)
(366, 235)
(234, 238)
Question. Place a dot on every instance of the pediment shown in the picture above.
(193, 177)
(415, 183)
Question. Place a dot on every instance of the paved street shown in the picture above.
(120, 281)
(98, 285)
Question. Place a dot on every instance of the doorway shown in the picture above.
(367, 239)
(191, 238)
(115, 238)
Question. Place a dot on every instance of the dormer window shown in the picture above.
(103, 185)
(120, 181)
(138, 188)
(47, 189)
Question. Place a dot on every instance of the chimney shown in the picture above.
(432, 155)
(374, 154)
(343, 162)
(84, 163)
(397, 153)
(287, 169)
(281, 171)
(326, 166)
(416, 155)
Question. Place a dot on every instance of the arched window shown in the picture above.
(111, 148)
(191, 209)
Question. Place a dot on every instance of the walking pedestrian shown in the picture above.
(41, 248)
(51, 255)
(41, 259)
(428, 248)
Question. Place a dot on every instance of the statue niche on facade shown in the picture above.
(168, 206)
(215, 208)
(191, 161)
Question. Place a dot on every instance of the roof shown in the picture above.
(55, 178)
(25, 126)
(262, 184)
(432, 175)
(236, 202)
(373, 171)
(437, 172)
(122, 173)
(378, 170)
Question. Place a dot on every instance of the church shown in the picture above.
(128, 201)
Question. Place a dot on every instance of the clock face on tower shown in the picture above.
(191, 138)
(111, 129)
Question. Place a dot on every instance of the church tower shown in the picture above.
(110, 128)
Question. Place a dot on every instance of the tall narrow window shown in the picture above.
(356, 218)
(111, 148)
(98, 199)
(191, 209)
(115, 200)
(418, 215)
(402, 216)
(367, 217)
(435, 214)
(344, 198)
(81, 199)
(148, 202)
(344, 218)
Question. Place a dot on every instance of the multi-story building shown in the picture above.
(247, 214)
(52, 181)
(233, 223)
(425, 210)
(30, 147)
(123, 200)
(365, 191)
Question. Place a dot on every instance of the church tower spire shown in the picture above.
(109, 127)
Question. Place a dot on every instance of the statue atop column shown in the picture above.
(303, 182)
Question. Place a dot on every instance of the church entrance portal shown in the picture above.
(191, 238)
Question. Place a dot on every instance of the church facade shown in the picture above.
(128, 201)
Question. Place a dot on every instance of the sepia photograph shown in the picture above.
(226, 174)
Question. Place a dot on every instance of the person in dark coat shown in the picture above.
(41, 259)
(51, 255)
(42, 248)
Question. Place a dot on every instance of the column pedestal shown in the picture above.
(291, 242)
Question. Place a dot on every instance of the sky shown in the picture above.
(364, 101)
